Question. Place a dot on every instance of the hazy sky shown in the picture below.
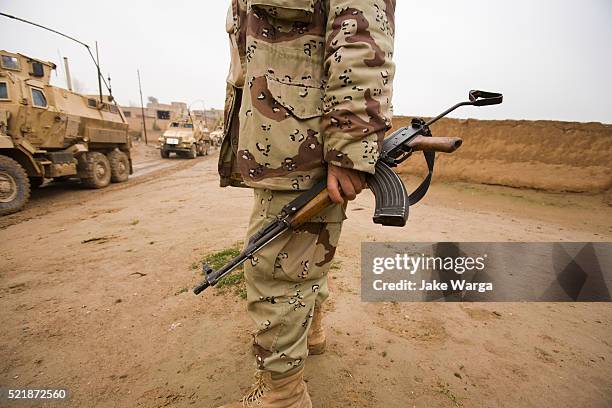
(552, 59)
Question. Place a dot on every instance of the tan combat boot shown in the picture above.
(287, 392)
(316, 334)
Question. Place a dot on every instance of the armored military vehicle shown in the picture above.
(47, 132)
(216, 137)
(186, 138)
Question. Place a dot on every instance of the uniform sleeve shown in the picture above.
(357, 101)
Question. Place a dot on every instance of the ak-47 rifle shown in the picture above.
(392, 199)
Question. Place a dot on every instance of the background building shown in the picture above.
(159, 115)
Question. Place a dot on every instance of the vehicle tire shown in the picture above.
(14, 186)
(97, 170)
(192, 154)
(120, 166)
(164, 153)
(36, 182)
(200, 150)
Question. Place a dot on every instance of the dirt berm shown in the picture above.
(544, 155)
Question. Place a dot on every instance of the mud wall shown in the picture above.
(546, 155)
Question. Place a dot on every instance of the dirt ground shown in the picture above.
(93, 298)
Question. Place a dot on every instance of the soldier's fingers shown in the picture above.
(362, 177)
(333, 190)
(356, 180)
(347, 186)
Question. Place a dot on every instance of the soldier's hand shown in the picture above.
(344, 184)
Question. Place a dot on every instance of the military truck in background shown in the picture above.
(185, 137)
(216, 137)
(47, 132)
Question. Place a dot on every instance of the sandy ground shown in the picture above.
(93, 298)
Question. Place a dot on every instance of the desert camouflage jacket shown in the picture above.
(310, 83)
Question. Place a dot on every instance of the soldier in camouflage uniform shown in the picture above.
(308, 96)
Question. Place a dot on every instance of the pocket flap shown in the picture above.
(293, 10)
(303, 101)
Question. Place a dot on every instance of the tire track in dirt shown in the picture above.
(59, 196)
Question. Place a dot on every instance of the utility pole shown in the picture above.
(144, 123)
(204, 114)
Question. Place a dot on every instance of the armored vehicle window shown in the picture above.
(113, 109)
(92, 103)
(174, 124)
(38, 98)
(188, 125)
(163, 115)
(3, 91)
(127, 114)
(37, 69)
(9, 62)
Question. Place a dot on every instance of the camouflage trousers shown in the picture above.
(286, 279)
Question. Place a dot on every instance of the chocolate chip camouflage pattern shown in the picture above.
(286, 279)
(310, 82)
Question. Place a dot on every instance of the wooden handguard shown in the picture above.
(436, 144)
(310, 210)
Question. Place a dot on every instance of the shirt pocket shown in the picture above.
(303, 100)
(291, 10)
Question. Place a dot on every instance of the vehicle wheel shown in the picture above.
(14, 186)
(120, 166)
(164, 153)
(97, 170)
(192, 153)
(200, 150)
(36, 182)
